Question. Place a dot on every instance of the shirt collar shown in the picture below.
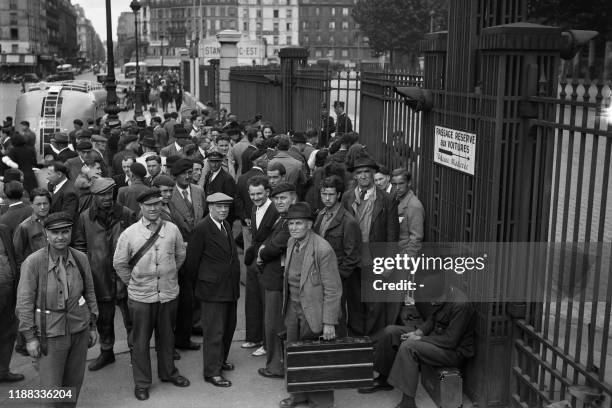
(148, 223)
(265, 206)
(60, 185)
(53, 262)
(15, 204)
(332, 210)
(217, 223)
(178, 147)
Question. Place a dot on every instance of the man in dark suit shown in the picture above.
(243, 203)
(127, 196)
(181, 138)
(64, 196)
(123, 179)
(75, 164)
(343, 122)
(256, 141)
(212, 264)
(339, 228)
(219, 181)
(17, 210)
(59, 145)
(376, 213)
(186, 209)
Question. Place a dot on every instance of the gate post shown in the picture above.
(228, 58)
(291, 58)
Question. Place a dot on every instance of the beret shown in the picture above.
(58, 220)
(219, 198)
(163, 180)
(257, 154)
(283, 187)
(181, 166)
(215, 156)
(138, 169)
(149, 196)
(129, 138)
(102, 185)
(84, 145)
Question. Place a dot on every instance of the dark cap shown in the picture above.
(148, 142)
(215, 156)
(141, 121)
(299, 137)
(181, 166)
(163, 180)
(338, 104)
(102, 185)
(84, 134)
(138, 169)
(58, 220)
(299, 210)
(129, 138)
(180, 132)
(219, 198)
(283, 187)
(149, 196)
(98, 138)
(60, 138)
(114, 124)
(364, 162)
(257, 154)
(84, 146)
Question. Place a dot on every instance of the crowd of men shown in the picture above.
(141, 215)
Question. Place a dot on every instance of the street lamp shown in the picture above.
(111, 107)
(135, 6)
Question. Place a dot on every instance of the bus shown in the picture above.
(52, 107)
(129, 69)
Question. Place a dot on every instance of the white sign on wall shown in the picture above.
(455, 149)
(248, 50)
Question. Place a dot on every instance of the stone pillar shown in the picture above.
(228, 58)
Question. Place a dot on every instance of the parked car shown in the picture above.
(30, 78)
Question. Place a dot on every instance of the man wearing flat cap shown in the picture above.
(128, 195)
(219, 181)
(187, 210)
(147, 258)
(97, 230)
(212, 264)
(75, 164)
(376, 213)
(56, 283)
(312, 291)
(343, 122)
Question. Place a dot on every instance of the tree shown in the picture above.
(396, 26)
(571, 14)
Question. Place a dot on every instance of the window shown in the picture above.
(345, 11)
(258, 13)
(14, 34)
(333, 11)
(13, 19)
(289, 40)
(331, 39)
(345, 25)
(318, 54)
(258, 27)
(232, 11)
(275, 13)
(13, 4)
(14, 48)
(289, 13)
(222, 11)
(275, 40)
(345, 53)
(317, 11)
(318, 39)
(275, 27)
(245, 26)
(318, 25)
(245, 13)
(288, 26)
(306, 39)
(332, 25)
(330, 53)
(304, 25)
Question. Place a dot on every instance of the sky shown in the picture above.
(95, 10)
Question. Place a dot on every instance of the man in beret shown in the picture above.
(376, 213)
(128, 195)
(212, 264)
(312, 289)
(219, 181)
(67, 300)
(147, 258)
(175, 148)
(97, 230)
(85, 152)
(187, 210)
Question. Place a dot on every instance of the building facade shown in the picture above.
(329, 32)
(91, 49)
(62, 29)
(23, 40)
(275, 22)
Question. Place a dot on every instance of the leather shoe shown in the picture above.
(11, 377)
(265, 373)
(141, 394)
(227, 366)
(290, 403)
(105, 358)
(379, 385)
(189, 346)
(218, 381)
(176, 355)
(179, 381)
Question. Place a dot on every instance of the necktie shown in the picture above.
(362, 194)
(296, 247)
(186, 196)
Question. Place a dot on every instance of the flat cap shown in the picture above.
(60, 138)
(180, 132)
(98, 138)
(181, 166)
(219, 198)
(58, 220)
(138, 169)
(299, 137)
(149, 196)
(163, 180)
(215, 156)
(257, 154)
(84, 134)
(102, 185)
(129, 138)
(148, 142)
(283, 187)
(84, 146)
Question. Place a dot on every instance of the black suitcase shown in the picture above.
(319, 365)
(444, 385)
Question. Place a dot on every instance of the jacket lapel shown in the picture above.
(307, 262)
(196, 201)
(378, 205)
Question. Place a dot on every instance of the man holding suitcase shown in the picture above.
(445, 339)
